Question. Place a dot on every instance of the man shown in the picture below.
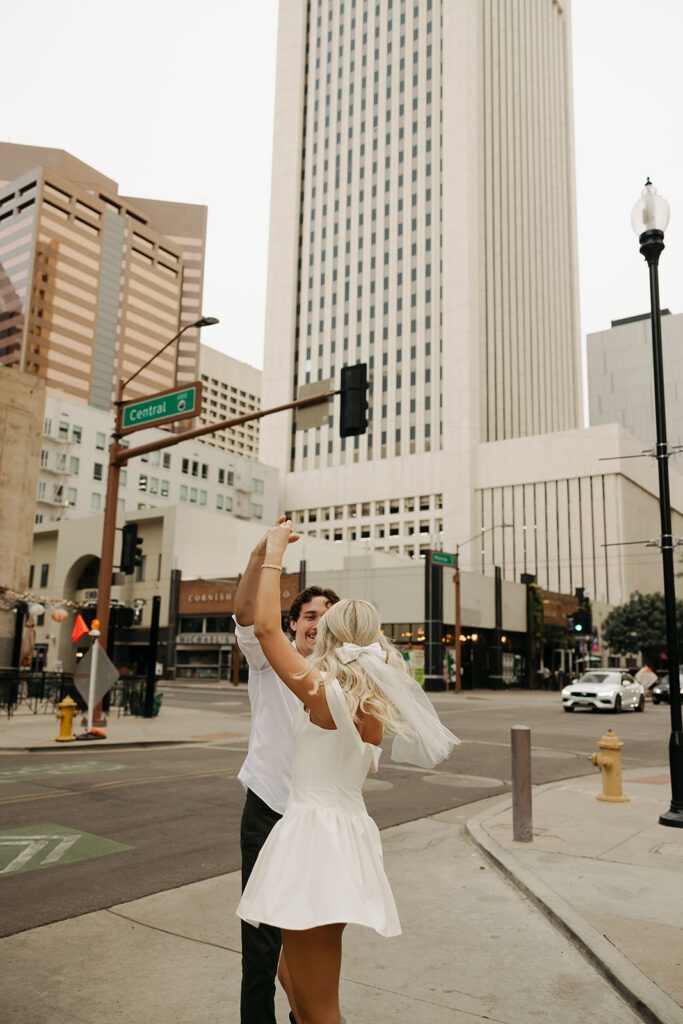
(266, 771)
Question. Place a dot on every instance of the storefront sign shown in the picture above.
(556, 607)
(217, 597)
(213, 639)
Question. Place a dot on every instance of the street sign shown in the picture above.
(105, 677)
(164, 407)
(441, 558)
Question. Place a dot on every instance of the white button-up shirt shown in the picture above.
(267, 769)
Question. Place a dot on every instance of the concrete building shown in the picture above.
(194, 558)
(422, 221)
(230, 388)
(621, 379)
(21, 414)
(74, 461)
(92, 283)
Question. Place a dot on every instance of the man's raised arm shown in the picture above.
(245, 598)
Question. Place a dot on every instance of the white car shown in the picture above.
(606, 689)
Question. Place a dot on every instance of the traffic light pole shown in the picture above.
(119, 456)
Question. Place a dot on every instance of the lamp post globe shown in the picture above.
(649, 219)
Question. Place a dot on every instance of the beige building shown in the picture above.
(92, 283)
(422, 221)
(230, 388)
(22, 398)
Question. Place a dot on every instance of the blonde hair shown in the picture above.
(356, 622)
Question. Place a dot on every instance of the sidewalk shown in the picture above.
(25, 731)
(474, 947)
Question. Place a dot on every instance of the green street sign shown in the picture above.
(164, 407)
(441, 558)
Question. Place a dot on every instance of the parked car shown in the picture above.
(604, 689)
(661, 692)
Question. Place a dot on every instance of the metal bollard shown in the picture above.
(520, 745)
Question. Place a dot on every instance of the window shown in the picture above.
(44, 573)
(154, 485)
(74, 464)
(231, 478)
(164, 488)
(97, 471)
(202, 497)
(257, 511)
(205, 471)
(123, 477)
(64, 430)
(219, 501)
(185, 468)
(95, 501)
(142, 482)
(100, 441)
(71, 495)
(228, 504)
(31, 573)
(193, 495)
(166, 460)
(221, 476)
(77, 434)
(183, 492)
(258, 486)
(44, 457)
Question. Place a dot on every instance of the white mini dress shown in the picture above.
(322, 863)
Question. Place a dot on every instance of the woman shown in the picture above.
(321, 867)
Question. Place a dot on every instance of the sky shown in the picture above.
(174, 101)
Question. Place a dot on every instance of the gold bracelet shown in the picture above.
(267, 565)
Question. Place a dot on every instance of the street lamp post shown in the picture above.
(649, 218)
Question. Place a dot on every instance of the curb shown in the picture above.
(99, 745)
(654, 1005)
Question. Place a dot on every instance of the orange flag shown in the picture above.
(79, 629)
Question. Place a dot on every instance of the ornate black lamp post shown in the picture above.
(649, 218)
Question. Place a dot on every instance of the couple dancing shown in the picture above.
(311, 855)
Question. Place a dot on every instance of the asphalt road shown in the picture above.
(176, 810)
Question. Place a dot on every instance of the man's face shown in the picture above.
(305, 628)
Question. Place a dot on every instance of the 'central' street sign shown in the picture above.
(164, 407)
(441, 558)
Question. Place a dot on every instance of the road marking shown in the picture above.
(53, 794)
(63, 845)
(26, 773)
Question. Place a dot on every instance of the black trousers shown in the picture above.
(260, 946)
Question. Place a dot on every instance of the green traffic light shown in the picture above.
(578, 628)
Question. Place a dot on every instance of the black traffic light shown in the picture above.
(583, 621)
(353, 415)
(580, 623)
(131, 549)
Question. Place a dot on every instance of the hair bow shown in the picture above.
(349, 652)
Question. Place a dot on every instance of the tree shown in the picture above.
(640, 625)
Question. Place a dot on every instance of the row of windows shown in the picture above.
(362, 510)
(424, 530)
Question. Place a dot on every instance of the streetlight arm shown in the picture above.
(145, 365)
(204, 321)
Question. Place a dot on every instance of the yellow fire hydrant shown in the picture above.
(609, 763)
(65, 715)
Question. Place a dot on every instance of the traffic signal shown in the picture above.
(353, 418)
(580, 623)
(131, 549)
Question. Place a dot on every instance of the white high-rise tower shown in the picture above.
(422, 221)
